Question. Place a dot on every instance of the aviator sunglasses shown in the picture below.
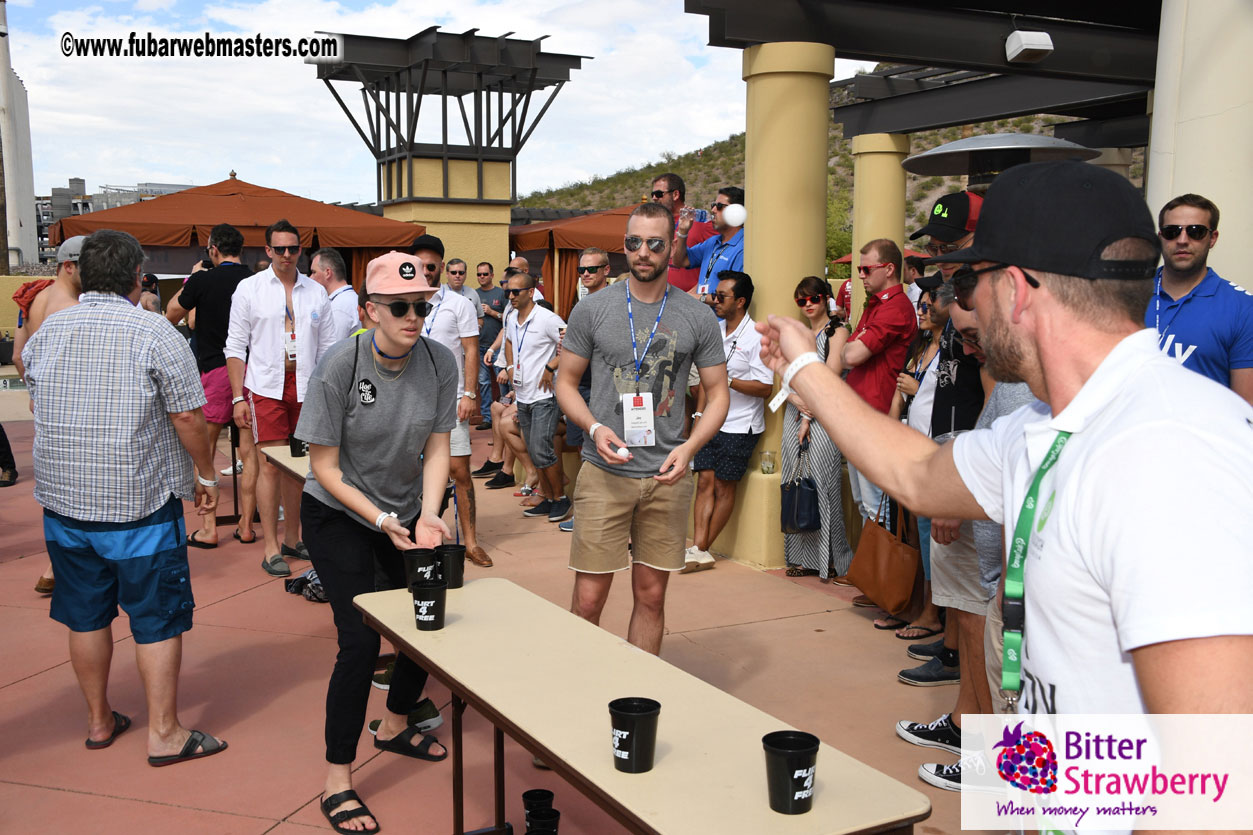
(1195, 231)
(634, 242)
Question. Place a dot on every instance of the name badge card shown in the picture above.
(637, 419)
(289, 345)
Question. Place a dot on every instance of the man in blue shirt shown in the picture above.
(1201, 319)
(724, 251)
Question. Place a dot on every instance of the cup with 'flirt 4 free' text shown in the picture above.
(634, 722)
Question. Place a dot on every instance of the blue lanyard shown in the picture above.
(713, 259)
(430, 320)
(631, 323)
(520, 333)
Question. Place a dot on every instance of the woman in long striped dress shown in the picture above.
(824, 552)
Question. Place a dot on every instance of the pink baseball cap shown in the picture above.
(396, 273)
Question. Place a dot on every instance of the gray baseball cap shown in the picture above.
(70, 249)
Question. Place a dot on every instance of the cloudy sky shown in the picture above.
(653, 86)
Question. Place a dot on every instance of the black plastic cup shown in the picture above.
(537, 799)
(420, 564)
(299, 448)
(790, 764)
(452, 564)
(634, 723)
(428, 604)
(542, 820)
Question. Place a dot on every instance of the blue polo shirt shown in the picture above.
(712, 256)
(1209, 330)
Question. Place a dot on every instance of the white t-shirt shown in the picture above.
(914, 292)
(921, 407)
(344, 311)
(1142, 532)
(452, 317)
(743, 351)
(534, 344)
(472, 296)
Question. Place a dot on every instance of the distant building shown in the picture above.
(75, 200)
(19, 172)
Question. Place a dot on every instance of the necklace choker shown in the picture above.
(389, 356)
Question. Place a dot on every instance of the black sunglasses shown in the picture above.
(513, 291)
(484, 275)
(400, 309)
(456, 272)
(592, 269)
(658, 194)
(717, 207)
(966, 279)
(1195, 231)
(634, 242)
(286, 250)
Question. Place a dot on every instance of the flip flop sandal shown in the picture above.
(239, 538)
(120, 725)
(862, 600)
(797, 571)
(401, 744)
(923, 632)
(192, 542)
(199, 739)
(890, 622)
(337, 800)
(275, 566)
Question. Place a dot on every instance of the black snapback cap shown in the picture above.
(430, 242)
(1058, 217)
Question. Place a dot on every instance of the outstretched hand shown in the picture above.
(783, 339)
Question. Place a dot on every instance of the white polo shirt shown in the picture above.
(344, 311)
(452, 316)
(258, 326)
(743, 350)
(1143, 530)
(534, 342)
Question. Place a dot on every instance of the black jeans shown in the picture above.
(6, 452)
(345, 553)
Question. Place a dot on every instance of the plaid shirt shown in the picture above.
(104, 376)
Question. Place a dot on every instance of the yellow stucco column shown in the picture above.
(785, 188)
(878, 196)
(471, 231)
(1117, 160)
(1203, 117)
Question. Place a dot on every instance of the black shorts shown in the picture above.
(727, 455)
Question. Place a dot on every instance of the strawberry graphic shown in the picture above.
(1028, 761)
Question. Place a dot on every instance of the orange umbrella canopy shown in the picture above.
(171, 220)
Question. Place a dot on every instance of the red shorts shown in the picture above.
(275, 420)
(217, 394)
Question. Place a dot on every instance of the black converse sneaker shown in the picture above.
(941, 733)
(949, 776)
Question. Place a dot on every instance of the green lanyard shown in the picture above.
(1013, 613)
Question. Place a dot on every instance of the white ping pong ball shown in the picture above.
(735, 215)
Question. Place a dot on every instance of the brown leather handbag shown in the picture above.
(887, 566)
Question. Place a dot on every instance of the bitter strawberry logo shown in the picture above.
(1028, 761)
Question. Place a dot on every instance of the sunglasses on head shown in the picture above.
(865, 271)
(286, 250)
(801, 301)
(634, 242)
(1196, 231)
(400, 309)
(513, 291)
(592, 269)
(966, 279)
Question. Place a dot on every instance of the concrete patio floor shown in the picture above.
(256, 664)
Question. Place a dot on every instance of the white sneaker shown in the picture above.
(694, 559)
(236, 470)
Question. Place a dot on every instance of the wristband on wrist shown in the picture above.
(697, 414)
(591, 430)
(796, 365)
(378, 522)
(204, 482)
(235, 401)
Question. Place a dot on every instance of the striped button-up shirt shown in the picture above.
(104, 377)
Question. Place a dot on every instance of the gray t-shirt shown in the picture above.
(1005, 399)
(598, 331)
(379, 424)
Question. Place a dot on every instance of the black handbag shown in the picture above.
(799, 499)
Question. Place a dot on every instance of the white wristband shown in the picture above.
(591, 430)
(378, 523)
(235, 401)
(796, 365)
(204, 482)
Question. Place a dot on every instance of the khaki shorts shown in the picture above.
(459, 439)
(613, 509)
(955, 579)
(994, 651)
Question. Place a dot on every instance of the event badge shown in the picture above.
(517, 372)
(637, 419)
(289, 344)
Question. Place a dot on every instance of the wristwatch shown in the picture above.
(473, 395)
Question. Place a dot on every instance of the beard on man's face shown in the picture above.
(646, 272)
